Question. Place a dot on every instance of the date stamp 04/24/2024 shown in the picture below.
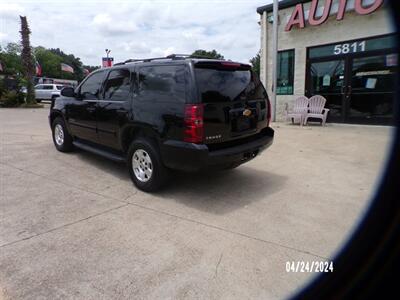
(309, 266)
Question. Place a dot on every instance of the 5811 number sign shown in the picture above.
(349, 48)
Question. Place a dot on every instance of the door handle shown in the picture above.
(349, 90)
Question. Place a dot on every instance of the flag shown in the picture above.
(38, 69)
(107, 62)
(1, 67)
(66, 68)
(86, 72)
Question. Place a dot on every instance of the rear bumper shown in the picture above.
(193, 157)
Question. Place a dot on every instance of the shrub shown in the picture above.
(10, 99)
(2, 87)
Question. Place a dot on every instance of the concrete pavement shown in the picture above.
(74, 226)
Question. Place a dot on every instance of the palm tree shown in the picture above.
(28, 66)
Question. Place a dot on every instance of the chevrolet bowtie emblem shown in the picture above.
(247, 113)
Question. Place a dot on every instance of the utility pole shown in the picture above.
(274, 57)
(107, 53)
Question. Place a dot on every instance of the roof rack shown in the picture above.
(171, 56)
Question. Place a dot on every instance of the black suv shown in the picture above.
(178, 112)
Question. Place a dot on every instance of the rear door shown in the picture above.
(235, 101)
(160, 98)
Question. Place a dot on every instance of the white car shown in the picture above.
(47, 91)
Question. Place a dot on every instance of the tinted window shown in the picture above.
(228, 85)
(47, 87)
(118, 85)
(162, 83)
(59, 87)
(39, 87)
(91, 88)
(285, 73)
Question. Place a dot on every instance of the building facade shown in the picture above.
(343, 50)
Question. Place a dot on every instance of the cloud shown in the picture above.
(138, 28)
(106, 25)
(3, 36)
(11, 10)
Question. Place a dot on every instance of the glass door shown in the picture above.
(327, 78)
(371, 89)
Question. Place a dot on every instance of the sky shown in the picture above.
(136, 29)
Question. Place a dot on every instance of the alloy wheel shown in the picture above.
(142, 165)
(59, 134)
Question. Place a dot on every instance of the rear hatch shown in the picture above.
(235, 102)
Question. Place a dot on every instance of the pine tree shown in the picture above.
(28, 65)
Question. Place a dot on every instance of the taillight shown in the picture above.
(268, 112)
(193, 122)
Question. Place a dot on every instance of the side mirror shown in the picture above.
(68, 92)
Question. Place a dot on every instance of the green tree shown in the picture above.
(50, 62)
(90, 68)
(71, 60)
(255, 62)
(10, 58)
(207, 54)
(49, 59)
(28, 67)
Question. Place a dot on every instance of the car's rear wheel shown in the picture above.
(61, 138)
(145, 166)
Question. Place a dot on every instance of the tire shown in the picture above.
(145, 166)
(61, 138)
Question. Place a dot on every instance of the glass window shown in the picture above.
(228, 85)
(91, 88)
(162, 83)
(327, 77)
(285, 73)
(47, 87)
(374, 73)
(39, 87)
(59, 87)
(117, 86)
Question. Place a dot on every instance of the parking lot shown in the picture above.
(74, 226)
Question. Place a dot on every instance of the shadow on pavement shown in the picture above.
(224, 191)
(217, 192)
(116, 169)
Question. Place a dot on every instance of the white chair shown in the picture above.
(316, 109)
(300, 107)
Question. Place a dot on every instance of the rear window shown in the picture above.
(218, 85)
(162, 83)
